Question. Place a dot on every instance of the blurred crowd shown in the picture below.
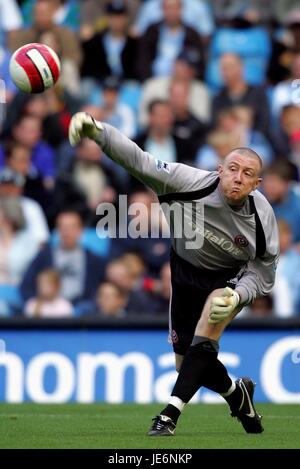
(188, 80)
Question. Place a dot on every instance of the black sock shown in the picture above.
(196, 362)
(201, 367)
(217, 378)
(235, 398)
(172, 412)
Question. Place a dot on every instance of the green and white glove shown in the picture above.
(83, 125)
(223, 306)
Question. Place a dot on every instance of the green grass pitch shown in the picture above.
(124, 426)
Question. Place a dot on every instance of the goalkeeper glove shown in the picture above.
(83, 125)
(223, 306)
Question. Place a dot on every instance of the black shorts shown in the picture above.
(190, 289)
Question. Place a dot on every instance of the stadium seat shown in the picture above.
(10, 300)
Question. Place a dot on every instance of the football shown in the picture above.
(34, 68)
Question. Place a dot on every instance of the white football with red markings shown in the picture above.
(34, 68)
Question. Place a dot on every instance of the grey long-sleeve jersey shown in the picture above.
(228, 235)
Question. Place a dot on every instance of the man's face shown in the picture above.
(28, 131)
(117, 23)
(109, 299)
(89, 151)
(172, 12)
(290, 120)
(182, 71)
(43, 15)
(20, 160)
(275, 188)
(296, 66)
(239, 175)
(69, 227)
(161, 118)
(231, 68)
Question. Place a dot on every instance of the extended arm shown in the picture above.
(159, 176)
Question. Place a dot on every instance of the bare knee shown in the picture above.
(204, 328)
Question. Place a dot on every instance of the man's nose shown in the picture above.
(238, 177)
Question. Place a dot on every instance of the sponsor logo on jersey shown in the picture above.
(225, 244)
(162, 166)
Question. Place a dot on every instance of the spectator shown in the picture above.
(158, 138)
(286, 292)
(115, 113)
(218, 144)
(240, 33)
(195, 13)
(12, 185)
(8, 91)
(114, 177)
(295, 151)
(159, 290)
(80, 270)
(10, 19)
(43, 21)
(163, 42)
(16, 246)
(237, 91)
(136, 266)
(151, 240)
(292, 37)
(164, 292)
(234, 129)
(88, 174)
(184, 71)
(121, 274)
(286, 137)
(249, 136)
(224, 9)
(286, 93)
(283, 196)
(261, 307)
(69, 77)
(27, 132)
(66, 13)
(48, 303)
(113, 51)
(52, 111)
(18, 159)
(53, 108)
(93, 15)
(189, 131)
(285, 43)
(111, 301)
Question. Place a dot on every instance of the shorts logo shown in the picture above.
(162, 166)
(174, 337)
(241, 240)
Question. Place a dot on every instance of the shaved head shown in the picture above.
(240, 174)
(244, 151)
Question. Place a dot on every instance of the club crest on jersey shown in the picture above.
(174, 337)
(162, 166)
(241, 240)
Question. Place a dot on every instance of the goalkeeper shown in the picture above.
(210, 282)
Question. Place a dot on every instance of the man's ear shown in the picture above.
(220, 169)
(257, 183)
